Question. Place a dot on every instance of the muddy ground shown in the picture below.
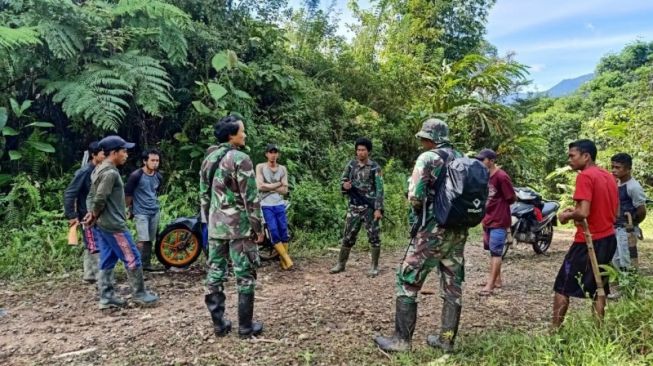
(311, 317)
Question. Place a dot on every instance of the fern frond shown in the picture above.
(23, 199)
(155, 10)
(63, 41)
(7, 69)
(149, 81)
(101, 93)
(98, 94)
(173, 43)
(12, 38)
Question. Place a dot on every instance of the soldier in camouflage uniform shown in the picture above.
(230, 206)
(431, 247)
(363, 184)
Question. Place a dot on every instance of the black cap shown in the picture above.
(115, 142)
(486, 154)
(271, 147)
(94, 147)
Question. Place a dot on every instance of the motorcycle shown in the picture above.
(183, 240)
(533, 219)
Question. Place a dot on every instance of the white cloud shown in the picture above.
(536, 67)
(585, 43)
(532, 88)
(590, 26)
(511, 16)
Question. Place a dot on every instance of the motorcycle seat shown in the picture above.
(550, 207)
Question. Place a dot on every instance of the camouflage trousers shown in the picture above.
(434, 247)
(356, 216)
(244, 257)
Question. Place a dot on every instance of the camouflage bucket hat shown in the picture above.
(434, 129)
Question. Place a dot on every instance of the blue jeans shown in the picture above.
(115, 246)
(275, 218)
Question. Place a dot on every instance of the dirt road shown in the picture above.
(311, 317)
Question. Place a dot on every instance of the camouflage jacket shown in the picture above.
(367, 180)
(422, 183)
(228, 194)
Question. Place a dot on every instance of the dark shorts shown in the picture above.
(575, 277)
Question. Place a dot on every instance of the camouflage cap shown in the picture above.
(434, 129)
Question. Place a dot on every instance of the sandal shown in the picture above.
(485, 293)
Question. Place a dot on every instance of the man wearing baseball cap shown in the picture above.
(496, 221)
(107, 211)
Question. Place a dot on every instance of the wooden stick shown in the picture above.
(593, 261)
(384, 353)
(75, 353)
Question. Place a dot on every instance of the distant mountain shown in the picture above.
(568, 86)
(565, 87)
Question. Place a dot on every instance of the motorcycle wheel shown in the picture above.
(178, 247)
(544, 239)
(266, 250)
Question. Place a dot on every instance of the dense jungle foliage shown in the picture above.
(161, 73)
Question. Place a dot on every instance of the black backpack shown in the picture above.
(461, 191)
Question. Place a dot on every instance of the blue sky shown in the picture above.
(558, 39)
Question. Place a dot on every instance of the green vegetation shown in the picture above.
(162, 72)
(624, 338)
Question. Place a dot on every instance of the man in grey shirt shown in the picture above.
(632, 202)
(107, 211)
(272, 183)
(141, 190)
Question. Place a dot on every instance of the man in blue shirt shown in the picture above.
(74, 200)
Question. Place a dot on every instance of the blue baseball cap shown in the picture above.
(114, 142)
(487, 154)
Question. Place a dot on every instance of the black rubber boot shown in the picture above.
(246, 327)
(215, 303)
(146, 258)
(405, 318)
(105, 286)
(342, 260)
(91, 261)
(449, 328)
(374, 270)
(140, 295)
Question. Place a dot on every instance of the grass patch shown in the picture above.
(626, 338)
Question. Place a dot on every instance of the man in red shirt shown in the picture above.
(597, 200)
(496, 222)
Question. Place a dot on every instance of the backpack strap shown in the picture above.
(159, 177)
(445, 156)
(352, 165)
(217, 163)
(132, 181)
